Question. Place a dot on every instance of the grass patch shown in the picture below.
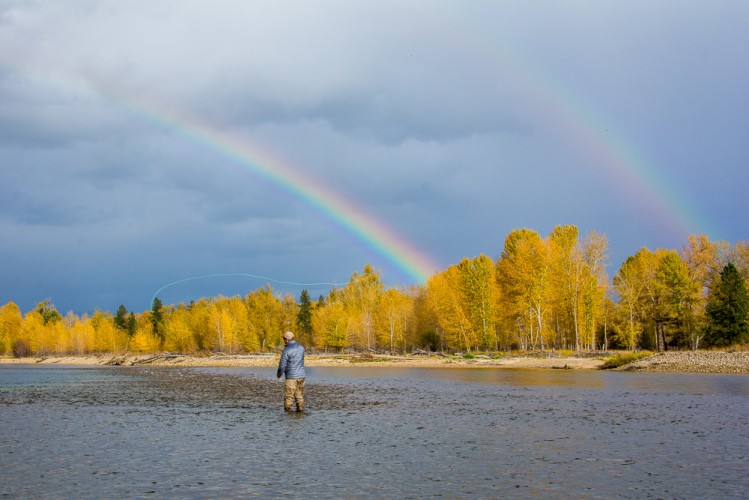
(369, 360)
(623, 359)
(469, 356)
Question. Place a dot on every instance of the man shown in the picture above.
(292, 366)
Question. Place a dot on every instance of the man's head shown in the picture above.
(287, 337)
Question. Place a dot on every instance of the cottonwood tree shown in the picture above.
(11, 326)
(568, 279)
(676, 295)
(446, 299)
(361, 296)
(523, 275)
(265, 316)
(178, 336)
(393, 319)
(630, 284)
(480, 292)
(329, 323)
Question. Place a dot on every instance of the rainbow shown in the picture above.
(414, 264)
(619, 162)
(623, 167)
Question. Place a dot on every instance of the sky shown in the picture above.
(195, 149)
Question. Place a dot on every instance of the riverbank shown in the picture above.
(692, 362)
(679, 362)
(312, 360)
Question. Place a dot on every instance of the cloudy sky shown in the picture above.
(147, 142)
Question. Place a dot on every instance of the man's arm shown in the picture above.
(282, 363)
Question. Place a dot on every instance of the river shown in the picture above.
(92, 432)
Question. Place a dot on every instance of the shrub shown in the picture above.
(21, 349)
(624, 359)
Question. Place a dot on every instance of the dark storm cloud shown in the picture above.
(451, 123)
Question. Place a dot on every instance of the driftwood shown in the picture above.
(156, 357)
(117, 361)
(221, 355)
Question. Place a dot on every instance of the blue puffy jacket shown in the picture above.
(292, 361)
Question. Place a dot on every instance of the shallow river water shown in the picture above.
(140, 432)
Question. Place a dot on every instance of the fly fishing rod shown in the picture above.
(246, 275)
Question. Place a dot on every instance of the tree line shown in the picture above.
(540, 293)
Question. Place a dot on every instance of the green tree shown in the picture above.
(304, 316)
(48, 311)
(120, 320)
(157, 319)
(728, 310)
(132, 325)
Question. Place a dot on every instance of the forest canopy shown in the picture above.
(539, 293)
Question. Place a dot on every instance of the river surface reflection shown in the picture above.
(372, 432)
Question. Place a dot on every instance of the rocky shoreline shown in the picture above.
(692, 362)
(676, 361)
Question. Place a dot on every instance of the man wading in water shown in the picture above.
(292, 365)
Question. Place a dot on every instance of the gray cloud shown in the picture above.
(450, 123)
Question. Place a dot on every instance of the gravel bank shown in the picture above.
(693, 362)
(680, 362)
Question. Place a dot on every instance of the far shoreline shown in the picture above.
(675, 361)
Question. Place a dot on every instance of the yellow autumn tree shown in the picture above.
(478, 284)
(361, 297)
(11, 326)
(523, 275)
(144, 339)
(107, 337)
(81, 334)
(445, 296)
(567, 278)
(178, 336)
(329, 324)
(704, 260)
(265, 317)
(595, 285)
(289, 313)
(393, 319)
(631, 284)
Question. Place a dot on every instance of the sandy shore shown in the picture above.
(681, 362)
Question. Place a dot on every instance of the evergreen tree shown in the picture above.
(132, 325)
(157, 319)
(304, 316)
(119, 319)
(728, 310)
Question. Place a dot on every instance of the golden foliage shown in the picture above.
(540, 293)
